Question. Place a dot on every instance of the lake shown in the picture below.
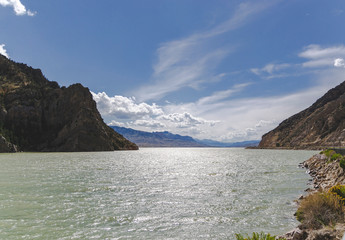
(153, 193)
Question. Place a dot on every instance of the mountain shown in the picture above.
(38, 115)
(157, 139)
(167, 139)
(213, 143)
(321, 125)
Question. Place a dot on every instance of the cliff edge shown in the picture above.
(39, 115)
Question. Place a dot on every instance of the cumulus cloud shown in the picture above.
(3, 50)
(17, 6)
(263, 123)
(339, 62)
(124, 107)
(116, 123)
(148, 123)
(127, 112)
(252, 133)
(185, 120)
(318, 56)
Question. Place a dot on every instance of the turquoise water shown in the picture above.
(153, 193)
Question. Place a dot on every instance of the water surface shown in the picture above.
(153, 193)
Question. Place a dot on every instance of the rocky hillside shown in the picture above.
(321, 125)
(38, 115)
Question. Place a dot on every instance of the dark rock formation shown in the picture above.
(321, 125)
(6, 146)
(38, 115)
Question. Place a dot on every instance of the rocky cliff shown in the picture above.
(321, 125)
(38, 115)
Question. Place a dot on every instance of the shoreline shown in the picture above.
(325, 174)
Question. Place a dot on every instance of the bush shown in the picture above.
(342, 163)
(319, 209)
(336, 156)
(328, 152)
(256, 236)
(339, 192)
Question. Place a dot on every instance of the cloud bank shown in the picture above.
(17, 6)
(126, 112)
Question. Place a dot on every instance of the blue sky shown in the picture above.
(225, 70)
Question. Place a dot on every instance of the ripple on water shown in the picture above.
(149, 194)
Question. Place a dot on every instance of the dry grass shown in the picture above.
(320, 209)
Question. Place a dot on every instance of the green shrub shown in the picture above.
(339, 192)
(319, 209)
(336, 156)
(342, 163)
(256, 236)
(328, 152)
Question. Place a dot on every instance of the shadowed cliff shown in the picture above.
(38, 115)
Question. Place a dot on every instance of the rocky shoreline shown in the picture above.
(325, 174)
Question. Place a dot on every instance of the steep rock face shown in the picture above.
(38, 115)
(321, 125)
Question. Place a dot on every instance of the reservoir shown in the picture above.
(153, 193)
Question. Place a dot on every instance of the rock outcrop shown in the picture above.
(325, 173)
(319, 126)
(38, 115)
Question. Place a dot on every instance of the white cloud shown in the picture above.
(148, 123)
(3, 50)
(190, 61)
(123, 107)
(116, 123)
(185, 120)
(321, 57)
(126, 112)
(270, 68)
(317, 58)
(339, 62)
(221, 95)
(314, 51)
(18, 7)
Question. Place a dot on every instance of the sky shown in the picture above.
(226, 70)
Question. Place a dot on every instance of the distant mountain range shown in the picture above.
(211, 143)
(167, 139)
(319, 126)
